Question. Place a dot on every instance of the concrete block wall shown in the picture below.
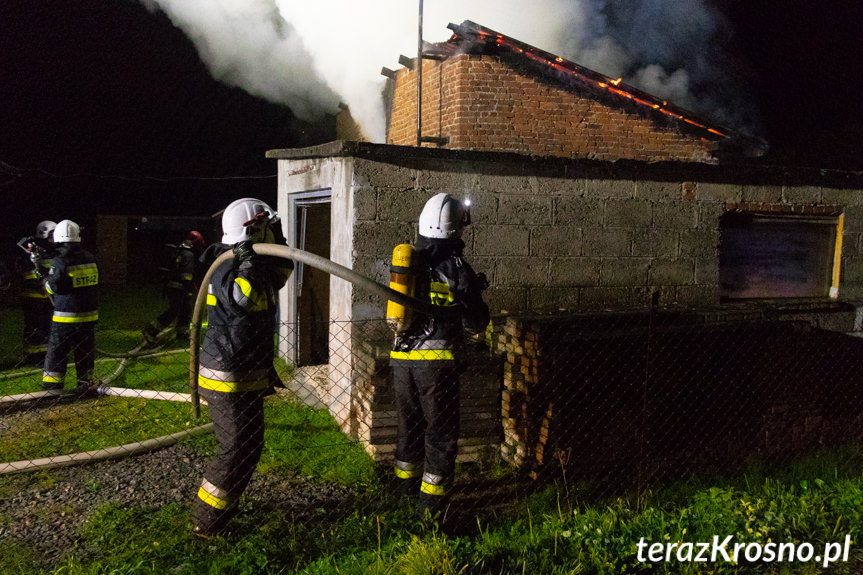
(483, 103)
(552, 235)
(586, 241)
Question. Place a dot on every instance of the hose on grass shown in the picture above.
(101, 454)
(314, 261)
(103, 384)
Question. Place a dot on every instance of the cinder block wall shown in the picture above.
(483, 103)
(552, 235)
(589, 236)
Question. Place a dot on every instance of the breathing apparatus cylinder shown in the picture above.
(402, 280)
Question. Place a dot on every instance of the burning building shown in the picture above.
(482, 90)
(589, 198)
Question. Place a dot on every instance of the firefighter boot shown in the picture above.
(150, 333)
(431, 506)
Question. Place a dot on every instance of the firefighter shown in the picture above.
(428, 355)
(236, 361)
(73, 281)
(35, 303)
(179, 290)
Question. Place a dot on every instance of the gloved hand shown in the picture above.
(243, 252)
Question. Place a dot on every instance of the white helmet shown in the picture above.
(443, 217)
(45, 229)
(247, 219)
(67, 231)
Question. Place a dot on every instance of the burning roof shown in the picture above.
(469, 37)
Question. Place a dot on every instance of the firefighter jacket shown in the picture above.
(237, 352)
(206, 259)
(443, 278)
(33, 273)
(181, 276)
(73, 280)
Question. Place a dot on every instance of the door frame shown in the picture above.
(292, 227)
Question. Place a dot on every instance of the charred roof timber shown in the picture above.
(469, 37)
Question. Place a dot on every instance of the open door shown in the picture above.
(312, 286)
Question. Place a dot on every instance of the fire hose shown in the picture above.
(285, 252)
(314, 261)
(108, 452)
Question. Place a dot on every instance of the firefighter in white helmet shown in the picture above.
(73, 281)
(236, 360)
(35, 304)
(428, 354)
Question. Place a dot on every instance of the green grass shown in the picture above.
(90, 425)
(543, 536)
(556, 529)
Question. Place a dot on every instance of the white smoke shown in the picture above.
(311, 54)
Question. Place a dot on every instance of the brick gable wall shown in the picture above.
(482, 103)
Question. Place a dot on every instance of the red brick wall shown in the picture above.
(480, 103)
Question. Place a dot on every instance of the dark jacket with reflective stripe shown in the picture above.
(183, 273)
(241, 319)
(34, 286)
(74, 282)
(443, 278)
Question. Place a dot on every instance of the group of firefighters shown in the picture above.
(236, 361)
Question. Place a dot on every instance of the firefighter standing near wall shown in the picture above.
(428, 353)
(35, 303)
(236, 362)
(73, 281)
(179, 290)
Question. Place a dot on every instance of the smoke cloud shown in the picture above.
(311, 55)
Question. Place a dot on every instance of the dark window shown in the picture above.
(778, 256)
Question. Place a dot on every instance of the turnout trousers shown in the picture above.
(238, 422)
(178, 312)
(427, 400)
(66, 338)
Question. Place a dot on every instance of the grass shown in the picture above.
(541, 536)
(552, 528)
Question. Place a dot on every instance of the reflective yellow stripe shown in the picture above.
(440, 294)
(211, 299)
(59, 317)
(406, 473)
(212, 500)
(423, 354)
(36, 295)
(52, 379)
(430, 489)
(232, 386)
(83, 275)
(187, 277)
(258, 303)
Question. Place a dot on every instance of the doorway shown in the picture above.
(311, 287)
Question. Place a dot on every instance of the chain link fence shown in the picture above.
(608, 404)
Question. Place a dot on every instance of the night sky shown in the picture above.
(106, 107)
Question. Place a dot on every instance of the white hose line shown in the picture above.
(144, 393)
(105, 453)
(315, 261)
(36, 395)
(58, 392)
